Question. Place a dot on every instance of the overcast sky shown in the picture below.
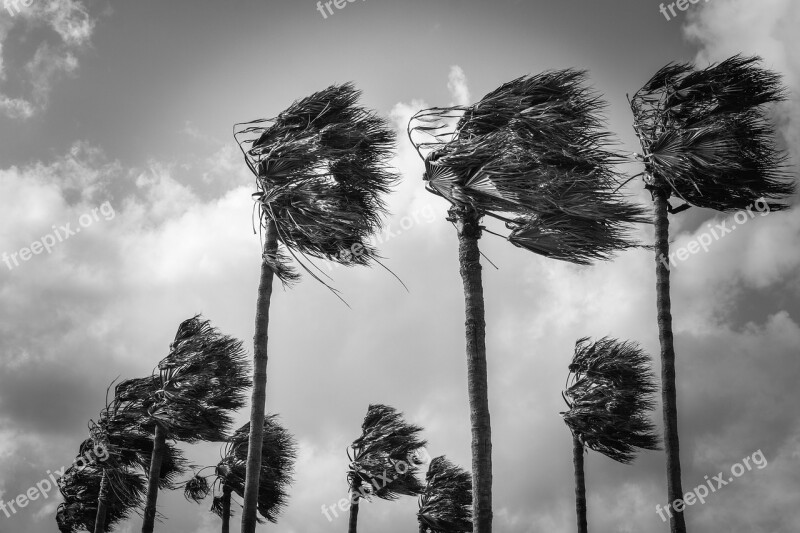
(126, 108)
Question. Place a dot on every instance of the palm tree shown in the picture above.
(81, 489)
(707, 141)
(128, 447)
(385, 459)
(279, 452)
(446, 504)
(199, 384)
(610, 393)
(321, 167)
(533, 155)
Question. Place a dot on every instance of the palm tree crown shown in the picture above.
(706, 135)
(321, 167)
(446, 504)
(384, 462)
(534, 155)
(278, 456)
(610, 397)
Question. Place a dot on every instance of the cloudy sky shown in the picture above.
(115, 118)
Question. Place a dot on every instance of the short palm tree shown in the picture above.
(445, 506)
(533, 155)
(128, 448)
(199, 384)
(279, 452)
(706, 141)
(81, 490)
(321, 168)
(610, 393)
(385, 459)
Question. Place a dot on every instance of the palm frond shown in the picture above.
(532, 150)
(278, 455)
(385, 461)
(201, 381)
(707, 137)
(610, 397)
(321, 169)
(445, 506)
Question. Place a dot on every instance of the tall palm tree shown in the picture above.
(385, 459)
(198, 385)
(533, 155)
(279, 452)
(446, 504)
(321, 168)
(707, 141)
(610, 393)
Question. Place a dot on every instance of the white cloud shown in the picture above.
(70, 20)
(457, 85)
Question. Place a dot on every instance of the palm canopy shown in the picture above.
(706, 135)
(385, 460)
(446, 504)
(278, 455)
(533, 153)
(321, 168)
(199, 383)
(610, 396)
(80, 488)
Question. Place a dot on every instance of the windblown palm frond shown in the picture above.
(611, 394)
(321, 168)
(707, 137)
(446, 504)
(385, 457)
(80, 488)
(534, 154)
(201, 381)
(278, 455)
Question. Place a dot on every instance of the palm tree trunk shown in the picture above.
(469, 232)
(352, 527)
(102, 503)
(259, 398)
(580, 484)
(226, 509)
(156, 458)
(668, 394)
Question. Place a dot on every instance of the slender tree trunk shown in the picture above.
(470, 266)
(259, 398)
(102, 503)
(668, 394)
(580, 484)
(156, 458)
(352, 526)
(226, 509)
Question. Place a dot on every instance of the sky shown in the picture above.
(115, 119)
